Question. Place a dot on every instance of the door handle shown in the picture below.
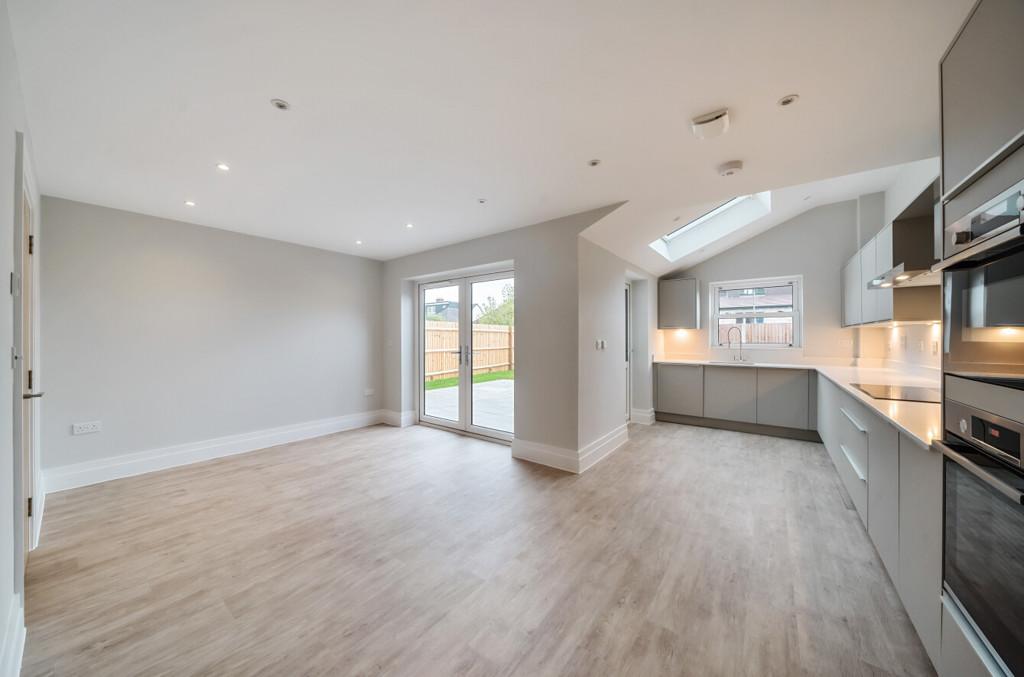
(30, 396)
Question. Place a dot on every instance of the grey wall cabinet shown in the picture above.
(678, 304)
(782, 398)
(869, 299)
(979, 63)
(730, 393)
(883, 264)
(884, 493)
(851, 292)
(679, 389)
(920, 576)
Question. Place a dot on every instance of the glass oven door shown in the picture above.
(983, 548)
(983, 318)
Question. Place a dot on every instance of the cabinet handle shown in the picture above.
(860, 475)
(854, 421)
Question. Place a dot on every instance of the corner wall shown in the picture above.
(547, 338)
(180, 338)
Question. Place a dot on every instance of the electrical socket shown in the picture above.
(86, 428)
(369, 392)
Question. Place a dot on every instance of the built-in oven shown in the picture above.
(983, 311)
(983, 548)
(983, 418)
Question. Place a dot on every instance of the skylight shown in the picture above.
(704, 217)
(712, 226)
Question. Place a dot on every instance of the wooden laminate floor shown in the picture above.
(416, 552)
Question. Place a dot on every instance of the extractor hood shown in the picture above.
(911, 242)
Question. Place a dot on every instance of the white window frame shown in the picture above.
(798, 305)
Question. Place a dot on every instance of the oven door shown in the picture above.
(983, 318)
(983, 548)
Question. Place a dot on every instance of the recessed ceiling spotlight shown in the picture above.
(359, 241)
(224, 166)
(190, 203)
(280, 104)
(595, 162)
(806, 198)
(482, 200)
(901, 277)
(408, 225)
(789, 100)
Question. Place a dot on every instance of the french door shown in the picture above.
(467, 354)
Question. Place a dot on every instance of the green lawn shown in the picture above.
(477, 378)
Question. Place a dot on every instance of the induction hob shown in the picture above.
(902, 393)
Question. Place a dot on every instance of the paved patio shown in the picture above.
(493, 404)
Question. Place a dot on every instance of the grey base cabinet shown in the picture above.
(920, 539)
(895, 484)
(730, 393)
(959, 655)
(679, 389)
(884, 493)
(782, 398)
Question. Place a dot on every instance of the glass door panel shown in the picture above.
(493, 352)
(442, 357)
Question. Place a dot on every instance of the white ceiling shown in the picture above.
(633, 244)
(410, 111)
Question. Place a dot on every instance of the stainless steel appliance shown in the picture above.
(983, 310)
(983, 548)
(900, 393)
(983, 419)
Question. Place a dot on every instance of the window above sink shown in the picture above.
(760, 312)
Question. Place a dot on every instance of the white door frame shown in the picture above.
(26, 479)
(465, 422)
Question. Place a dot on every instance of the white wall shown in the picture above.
(12, 120)
(814, 244)
(602, 312)
(171, 333)
(545, 260)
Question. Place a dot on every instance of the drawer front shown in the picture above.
(853, 456)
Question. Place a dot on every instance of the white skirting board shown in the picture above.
(102, 470)
(399, 419)
(574, 461)
(13, 639)
(641, 416)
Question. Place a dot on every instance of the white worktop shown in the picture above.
(922, 421)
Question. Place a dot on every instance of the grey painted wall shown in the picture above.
(814, 244)
(602, 311)
(169, 332)
(545, 260)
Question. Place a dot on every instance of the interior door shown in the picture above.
(467, 355)
(31, 389)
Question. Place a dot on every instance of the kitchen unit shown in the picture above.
(889, 279)
(768, 399)
(982, 235)
(678, 303)
(880, 448)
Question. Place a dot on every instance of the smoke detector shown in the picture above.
(710, 125)
(730, 168)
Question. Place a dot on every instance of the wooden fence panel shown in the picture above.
(493, 349)
(776, 333)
